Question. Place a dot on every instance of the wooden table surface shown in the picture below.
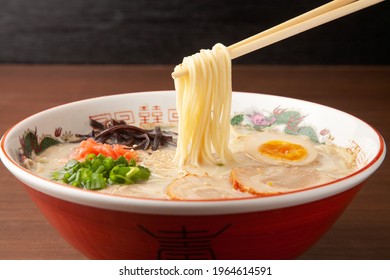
(362, 232)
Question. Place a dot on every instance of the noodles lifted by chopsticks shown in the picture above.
(203, 105)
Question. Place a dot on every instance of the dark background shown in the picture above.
(163, 32)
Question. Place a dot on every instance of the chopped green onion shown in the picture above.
(96, 172)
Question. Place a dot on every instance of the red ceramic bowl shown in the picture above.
(106, 226)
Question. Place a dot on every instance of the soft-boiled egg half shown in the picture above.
(278, 148)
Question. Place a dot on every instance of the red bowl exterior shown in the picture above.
(274, 234)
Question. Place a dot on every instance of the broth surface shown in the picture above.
(214, 181)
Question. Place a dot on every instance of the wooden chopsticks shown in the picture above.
(306, 16)
(318, 16)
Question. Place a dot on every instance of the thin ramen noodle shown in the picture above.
(203, 105)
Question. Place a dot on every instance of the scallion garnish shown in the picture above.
(96, 172)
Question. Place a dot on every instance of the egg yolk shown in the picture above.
(283, 150)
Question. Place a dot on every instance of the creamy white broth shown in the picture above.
(168, 181)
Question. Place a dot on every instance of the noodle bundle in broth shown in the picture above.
(204, 104)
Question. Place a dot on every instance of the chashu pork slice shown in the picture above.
(278, 179)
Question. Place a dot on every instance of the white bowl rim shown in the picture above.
(187, 208)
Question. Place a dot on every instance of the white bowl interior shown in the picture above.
(159, 107)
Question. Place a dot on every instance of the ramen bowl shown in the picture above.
(106, 226)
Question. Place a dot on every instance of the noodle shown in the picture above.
(203, 105)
